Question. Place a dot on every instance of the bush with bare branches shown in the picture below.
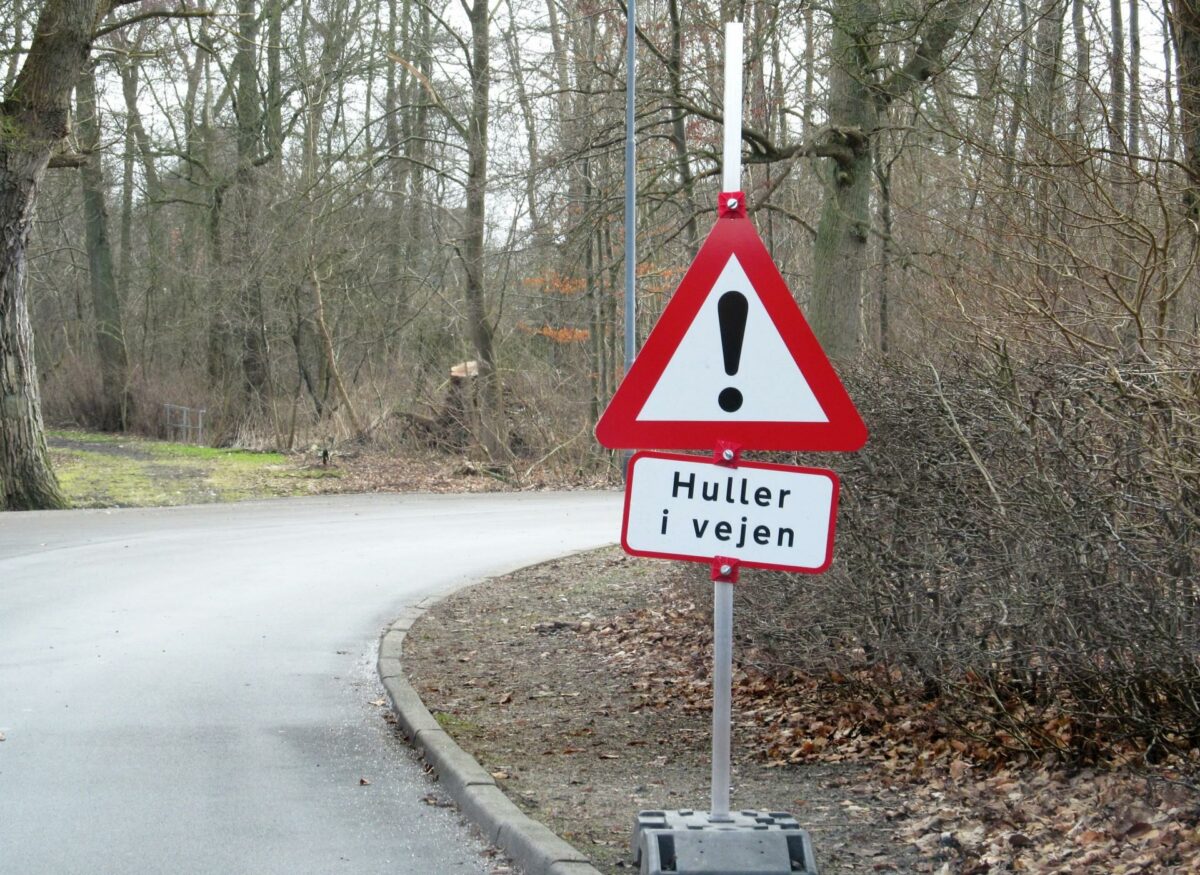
(1020, 542)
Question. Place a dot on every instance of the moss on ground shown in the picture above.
(103, 470)
(95, 479)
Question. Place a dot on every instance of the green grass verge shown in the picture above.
(103, 470)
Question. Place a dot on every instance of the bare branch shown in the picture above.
(106, 29)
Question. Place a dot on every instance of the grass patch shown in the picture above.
(92, 479)
(228, 457)
(105, 470)
(455, 723)
(91, 437)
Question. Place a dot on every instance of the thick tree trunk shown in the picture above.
(26, 479)
(840, 248)
(114, 407)
(32, 121)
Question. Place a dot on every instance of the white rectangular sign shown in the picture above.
(763, 515)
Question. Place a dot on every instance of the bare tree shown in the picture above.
(113, 406)
(33, 121)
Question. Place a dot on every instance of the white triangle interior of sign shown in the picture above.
(771, 385)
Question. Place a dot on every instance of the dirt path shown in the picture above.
(530, 675)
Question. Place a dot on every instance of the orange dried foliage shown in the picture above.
(554, 283)
(565, 334)
(656, 280)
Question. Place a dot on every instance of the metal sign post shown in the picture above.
(731, 153)
(630, 195)
(723, 574)
(730, 365)
(722, 691)
(630, 185)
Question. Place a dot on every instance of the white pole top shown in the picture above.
(731, 165)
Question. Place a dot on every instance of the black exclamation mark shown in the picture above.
(732, 308)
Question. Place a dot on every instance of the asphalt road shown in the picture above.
(187, 690)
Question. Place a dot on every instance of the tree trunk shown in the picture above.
(414, 214)
(26, 479)
(327, 350)
(1171, 122)
(244, 200)
(840, 248)
(1116, 69)
(397, 144)
(492, 426)
(136, 132)
(858, 95)
(18, 20)
(511, 41)
(1081, 100)
(691, 233)
(1044, 108)
(274, 126)
(32, 121)
(1016, 120)
(125, 242)
(1135, 78)
(810, 71)
(114, 407)
(1186, 29)
(883, 174)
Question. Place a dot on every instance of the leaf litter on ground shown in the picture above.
(884, 785)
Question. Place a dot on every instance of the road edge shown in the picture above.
(533, 846)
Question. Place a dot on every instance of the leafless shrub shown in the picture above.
(1019, 541)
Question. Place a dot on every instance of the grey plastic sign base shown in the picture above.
(687, 842)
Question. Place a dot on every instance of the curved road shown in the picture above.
(187, 690)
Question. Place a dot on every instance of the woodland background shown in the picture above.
(301, 214)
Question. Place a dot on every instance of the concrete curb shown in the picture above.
(530, 844)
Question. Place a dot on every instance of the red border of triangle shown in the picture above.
(619, 427)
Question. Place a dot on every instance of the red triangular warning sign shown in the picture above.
(732, 359)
